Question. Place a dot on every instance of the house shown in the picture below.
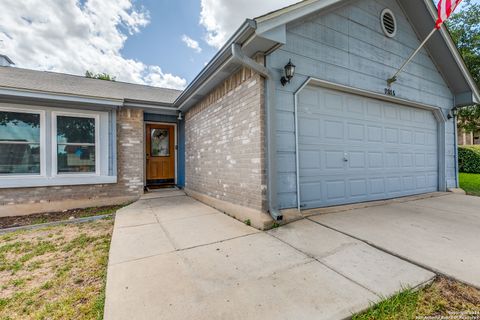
(244, 136)
(468, 138)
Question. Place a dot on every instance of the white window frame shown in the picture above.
(104, 150)
(54, 143)
(42, 142)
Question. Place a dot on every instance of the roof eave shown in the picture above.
(246, 30)
(30, 95)
(456, 54)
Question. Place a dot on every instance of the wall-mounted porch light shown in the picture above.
(452, 114)
(180, 116)
(289, 73)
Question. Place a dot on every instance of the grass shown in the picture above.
(55, 273)
(443, 298)
(470, 182)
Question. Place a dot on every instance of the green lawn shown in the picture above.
(470, 183)
(443, 298)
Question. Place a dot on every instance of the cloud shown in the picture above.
(193, 44)
(73, 36)
(221, 18)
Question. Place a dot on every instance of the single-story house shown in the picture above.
(251, 134)
(468, 138)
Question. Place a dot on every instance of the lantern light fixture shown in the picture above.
(289, 73)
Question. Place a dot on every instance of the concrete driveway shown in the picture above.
(175, 258)
(440, 233)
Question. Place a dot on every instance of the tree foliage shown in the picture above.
(100, 76)
(464, 27)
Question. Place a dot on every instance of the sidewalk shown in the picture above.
(176, 258)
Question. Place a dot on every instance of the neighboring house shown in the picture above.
(468, 138)
(241, 139)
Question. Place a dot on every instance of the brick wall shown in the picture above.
(224, 136)
(130, 166)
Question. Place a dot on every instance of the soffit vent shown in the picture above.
(389, 23)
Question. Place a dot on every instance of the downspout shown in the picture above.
(239, 56)
(457, 181)
(297, 152)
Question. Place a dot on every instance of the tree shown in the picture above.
(100, 76)
(464, 26)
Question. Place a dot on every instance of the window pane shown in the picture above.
(160, 143)
(19, 158)
(77, 159)
(75, 130)
(19, 127)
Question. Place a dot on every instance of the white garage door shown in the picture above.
(355, 149)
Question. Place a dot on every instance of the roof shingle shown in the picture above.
(59, 83)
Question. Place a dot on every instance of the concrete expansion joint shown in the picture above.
(216, 242)
(403, 258)
(326, 265)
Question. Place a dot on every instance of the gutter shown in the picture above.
(37, 95)
(222, 58)
(239, 56)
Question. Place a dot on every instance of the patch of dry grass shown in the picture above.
(55, 273)
(443, 298)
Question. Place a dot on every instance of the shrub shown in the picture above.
(469, 159)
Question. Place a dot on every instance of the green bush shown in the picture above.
(469, 159)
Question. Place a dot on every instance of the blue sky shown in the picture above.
(161, 40)
(154, 42)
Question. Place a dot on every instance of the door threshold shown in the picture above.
(161, 188)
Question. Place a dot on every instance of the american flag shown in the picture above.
(445, 9)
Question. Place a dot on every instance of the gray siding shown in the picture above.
(347, 46)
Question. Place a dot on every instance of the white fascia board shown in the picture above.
(292, 13)
(453, 49)
(26, 94)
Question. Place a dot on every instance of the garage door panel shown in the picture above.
(311, 191)
(358, 187)
(355, 132)
(311, 128)
(355, 149)
(311, 160)
(334, 129)
(335, 189)
(357, 160)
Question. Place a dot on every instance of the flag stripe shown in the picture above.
(445, 9)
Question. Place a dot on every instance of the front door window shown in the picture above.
(160, 143)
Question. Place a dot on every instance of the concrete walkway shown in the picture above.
(440, 233)
(175, 258)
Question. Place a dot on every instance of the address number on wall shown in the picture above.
(390, 92)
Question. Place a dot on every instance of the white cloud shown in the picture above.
(72, 37)
(221, 18)
(193, 44)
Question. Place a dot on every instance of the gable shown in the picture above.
(416, 18)
(347, 46)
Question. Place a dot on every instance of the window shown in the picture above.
(76, 144)
(44, 146)
(19, 143)
(160, 143)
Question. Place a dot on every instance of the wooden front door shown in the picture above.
(160, 154)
